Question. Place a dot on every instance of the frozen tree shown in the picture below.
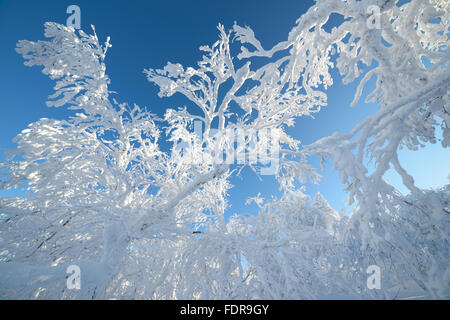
(143, 223)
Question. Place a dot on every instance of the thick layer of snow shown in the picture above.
(143, 223)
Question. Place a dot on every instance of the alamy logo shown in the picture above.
(74, 20)
(373, 17)
(374, 280)
(74, 280)
(236, 145)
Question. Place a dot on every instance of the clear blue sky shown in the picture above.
(148, 34)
